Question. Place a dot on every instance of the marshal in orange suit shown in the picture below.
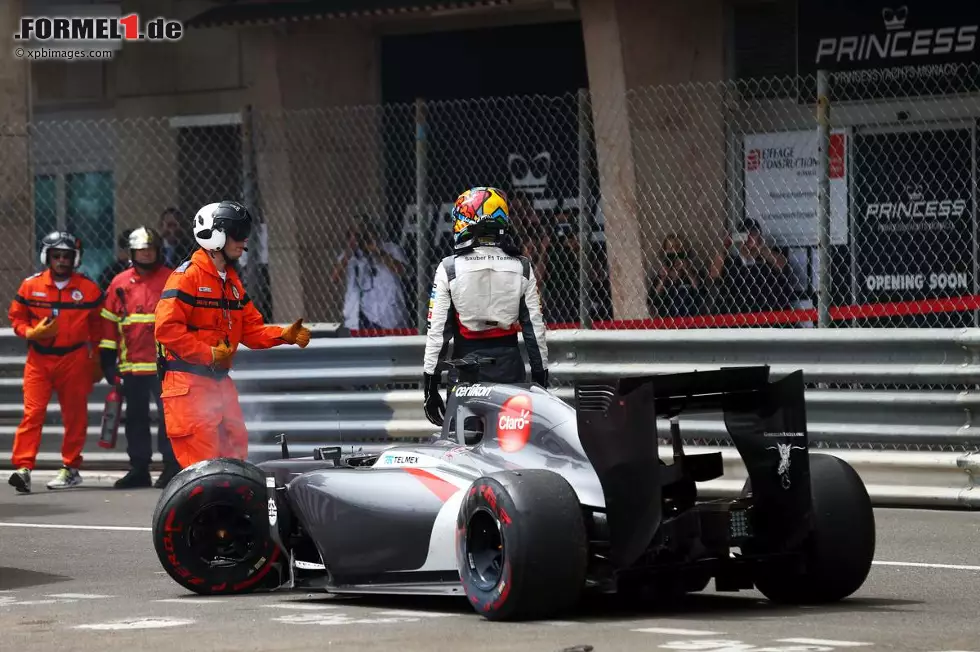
(202, 317)
(58, 312)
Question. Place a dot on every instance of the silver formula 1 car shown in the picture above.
(523, 502)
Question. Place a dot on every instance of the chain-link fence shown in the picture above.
(690, 206)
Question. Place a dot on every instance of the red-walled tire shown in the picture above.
(217, 508)
(521, 545)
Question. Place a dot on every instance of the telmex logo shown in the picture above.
(897, 42)
(92, 28)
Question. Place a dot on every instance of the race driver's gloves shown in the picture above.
(434, 408)
(296, 333)
(46, 328)
(220, 353)
(540, 377)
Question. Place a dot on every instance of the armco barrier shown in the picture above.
(363, 392)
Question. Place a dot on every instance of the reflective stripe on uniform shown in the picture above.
(138, 318)
(109, 315)
(108, 344)
(137, 366)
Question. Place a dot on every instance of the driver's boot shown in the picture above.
(137, 477)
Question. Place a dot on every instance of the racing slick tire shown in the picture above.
(521, 545)
(217, 510)
(841, 545)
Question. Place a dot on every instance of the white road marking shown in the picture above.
(918, 564)
(340, 619)
(79, 596)
(59, 526)
(823, 641)
(191, 600)
(716, 645)
(11, 602)
(300, 606)
(678, 632)
(556, 623)
(139, 623)
(413, 614)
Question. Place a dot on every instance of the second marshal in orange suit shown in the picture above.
(58, 312)
(202, 317)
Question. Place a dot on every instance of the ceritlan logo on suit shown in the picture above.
(896, 44)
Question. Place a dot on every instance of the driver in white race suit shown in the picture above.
(482, 296)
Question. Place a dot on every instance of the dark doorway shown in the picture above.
(542, 59)
(209, 164)
(502, 108)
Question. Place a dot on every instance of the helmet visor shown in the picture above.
(235, 229)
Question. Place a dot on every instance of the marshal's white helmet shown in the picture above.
(216, 222)
(64, 241)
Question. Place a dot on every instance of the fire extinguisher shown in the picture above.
(112, 411)
(110, 418)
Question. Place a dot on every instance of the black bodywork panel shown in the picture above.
(618, 428)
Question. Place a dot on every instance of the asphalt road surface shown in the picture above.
(101, 587)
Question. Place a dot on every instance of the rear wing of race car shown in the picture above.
(766, 421)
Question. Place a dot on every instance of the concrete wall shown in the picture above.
(315, 166)
(319, 162)
(16, 196)
(661, 150)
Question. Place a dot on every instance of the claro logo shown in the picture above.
(514, 423)
(897, 43)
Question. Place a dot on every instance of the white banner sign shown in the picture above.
(781, 186)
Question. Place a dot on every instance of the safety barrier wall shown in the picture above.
(898, 403)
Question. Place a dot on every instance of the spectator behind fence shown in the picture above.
(375, 295)
(749, 275)
(675, 289)
(527, 227)
(121, 263)
(558, 274)
(178, 244)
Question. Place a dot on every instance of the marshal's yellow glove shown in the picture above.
(46, 328)
(220, 353)
(296, 333)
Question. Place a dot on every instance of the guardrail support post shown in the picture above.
(823, 198)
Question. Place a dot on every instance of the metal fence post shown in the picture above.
(254, 284)
(823, 199)
(422, 215)
(584, 211)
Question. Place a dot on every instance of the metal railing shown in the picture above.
(897, 402)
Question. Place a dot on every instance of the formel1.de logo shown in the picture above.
(98, 28)
(514, 423)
